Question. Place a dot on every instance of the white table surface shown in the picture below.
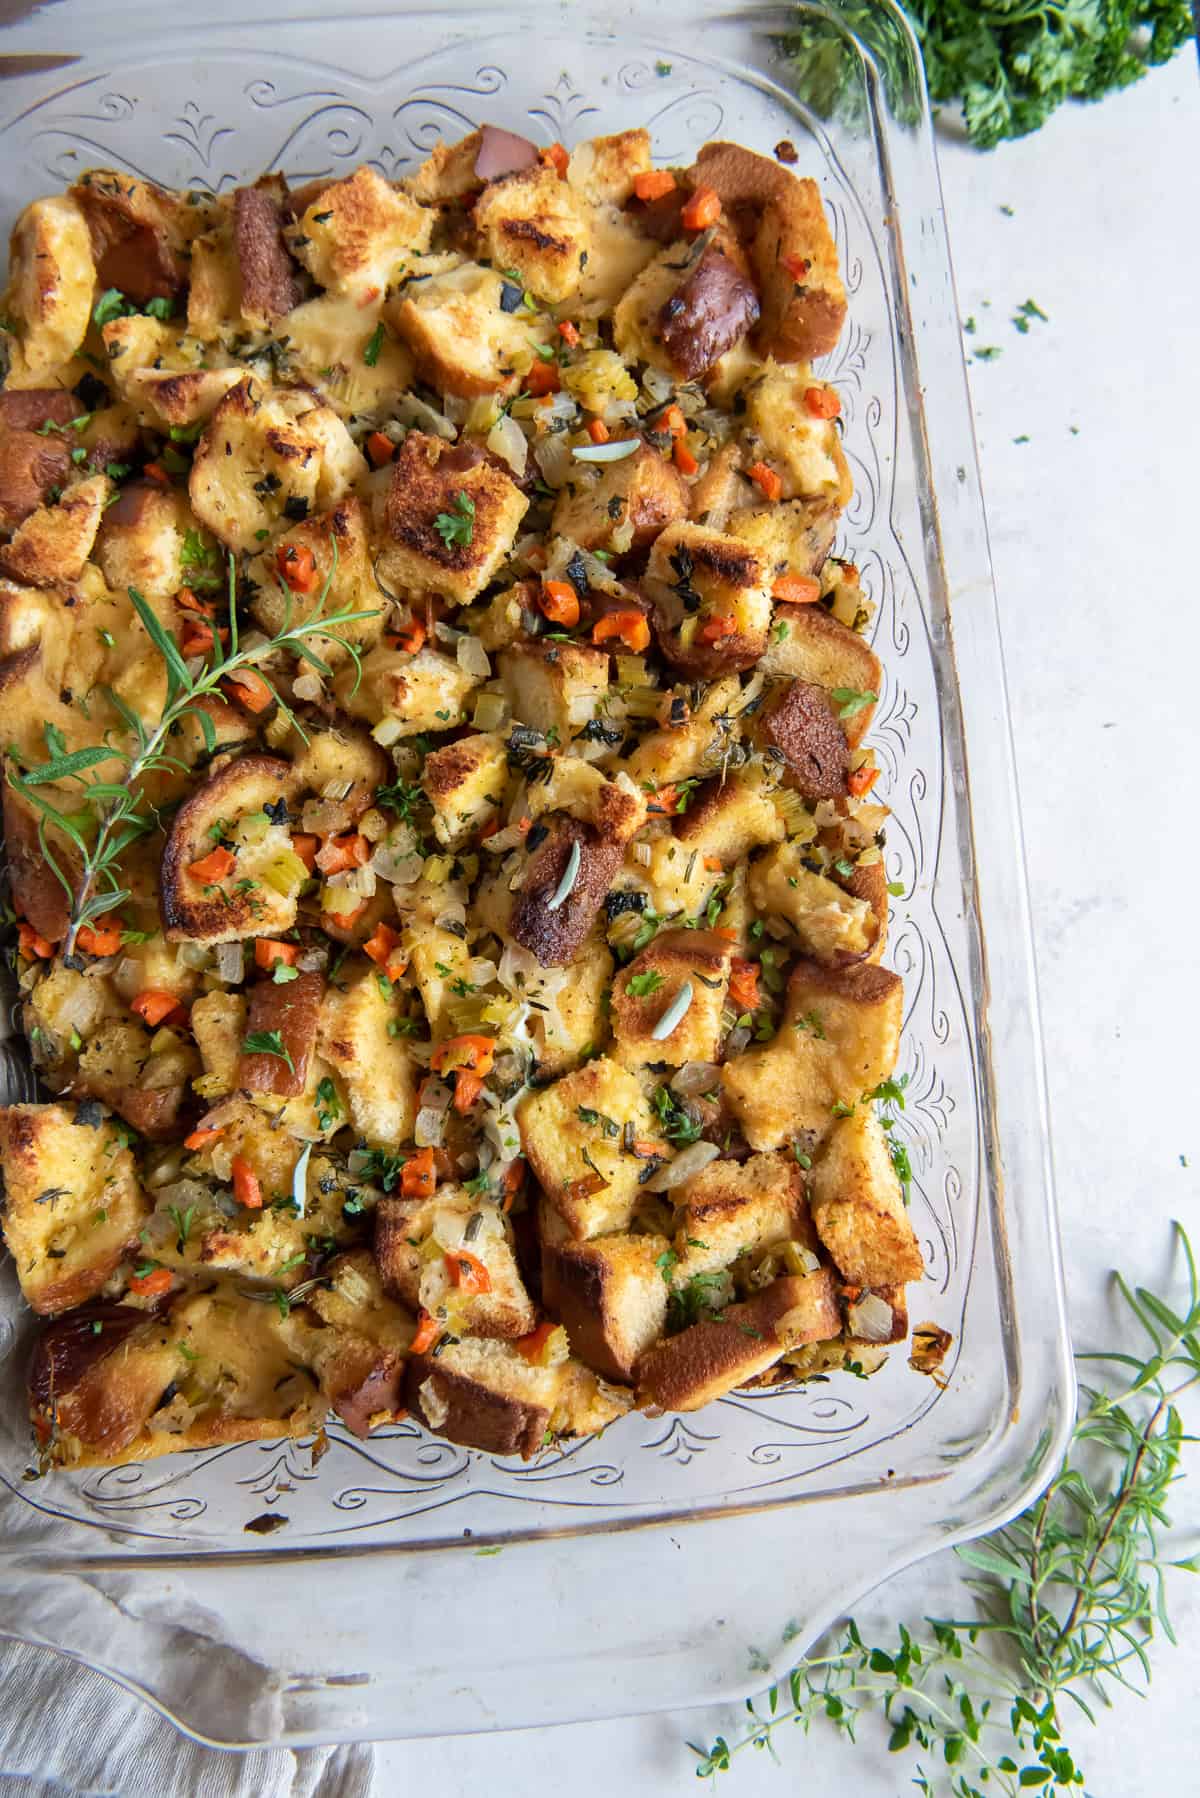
(1094, 541)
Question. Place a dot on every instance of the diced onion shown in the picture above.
(190, 955)
(231, 964)
(737, 1041)
(413, 411)
(473, 658)
(658, 386)
(300, 1180)
(337, 789)
(695, 1077)
(553, 457)
(870, 1318)
(685, 1166)
(429, 1128)
(308, 687)
(506, 439)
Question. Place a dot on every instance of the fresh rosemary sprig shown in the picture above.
(1068, 1594)
(111, 815)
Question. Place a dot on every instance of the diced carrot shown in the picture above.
(597, 430)
(511, 1183)
(766, 479)
(246, 1188)
(664, 801)
(730, 935)
(267, 952)
(714, 864)
(652, 184)
(410, 637)
(702, 210)
(490, 828)
(714, 630)
(743, 984)
(297, 566)
(346, 920)
(154, 471)
(796, 589)
(154, 1006)
(542, 378)
(187, 601)
(861, 780)
(628, 625)
(214, 866)
(533, 1346)
(560, 602)
(647, 1150)
(202, 1137)
(153, 1284)
(306, 848)
(198, 637)
(568, 333)
(796, 266)
(102, 939)
(248, 689)
(474, 1052)
(467, 1271)
(32, 943)
(338, 854)
(683, 458)
(383, 947)
(380, 448)
(673, 421)
(849, 571)
(428, 1331)
(556, 157)
(467, 1088)
(418, 1176)
(822, 402)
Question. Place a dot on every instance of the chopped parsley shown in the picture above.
(373, 345)
(456, 529)
(642, 985)
(268, 1042)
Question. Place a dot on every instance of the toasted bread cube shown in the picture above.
(143, 1078)
(351, 585)
(54, 542)
(610, 1296)
(227, 910)
(264, 449)
(602, 169)
(833, 926)
(30, 466)
(375, 1071)
(484, 1394)
(807, 644)
(554, 686)
(728, 819)
(218, 1022)
(690, 563)
(214, 284)
(359, 1357)
(858, 1205)
(140, 232)
(327, 337)
(644, 493)
(688, 308)
(50, 286)
(269, 1244)
(839, 1038)
(555, 1136)
(447, 173)
(667, 756)
(165, 397)
(437, 956)
(804, 450)
(731, 1208)
(359, 235)
(462, 340)
(344, 758)
(465, 784)
(73, 1205)
(142, 542)
(675, 880)
(415, 1244)
(801, 726)
(674, 961)
(250, 1128)
(708, 1360)
(793, 536)
(534, 223)
(430, 482)
(269, 284)
(554, 926)
(574, 1019)
(428, 691)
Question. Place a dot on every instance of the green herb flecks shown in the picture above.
(457, 528)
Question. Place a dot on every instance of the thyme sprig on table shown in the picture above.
(1069, 1595)
(112, 814)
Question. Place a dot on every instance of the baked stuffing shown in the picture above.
(448, 884)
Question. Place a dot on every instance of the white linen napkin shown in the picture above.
(66, 1732)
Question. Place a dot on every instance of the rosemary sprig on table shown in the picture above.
(111, 815)
(1069, 1595)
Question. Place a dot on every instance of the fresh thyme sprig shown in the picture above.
(111, 815)
(1069, 1595)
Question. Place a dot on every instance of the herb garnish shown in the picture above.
(268, 1042)
(457, 528)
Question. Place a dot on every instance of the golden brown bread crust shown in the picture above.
(591, 1287)
(497, 1423)
(710, 1358)
(27, 408)
(38, 894)
(269, 284)
(131, 246)
(187, 910)
(293, 1010)
(712, 309)
(803, 726)
(29, 467)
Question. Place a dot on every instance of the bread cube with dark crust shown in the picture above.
(793, 536)
(808, 645)
(572, 1134)
(554, 925)
(834, 925)
(688, 307)
(480, 507)
(37, 893)
(712, 601)
(486, 1395)
(858, 1205)
(644, 490)
(50, 286)
(376, 1074)
(141, 541)
(350, 585)
(674, 960)
(148, 1089)
(462, 340)
(29, 467)
(731, 1209)
(533, 222)
(289, 1012)
(781, 221)
(137, 239)
(712, 1357)
(800, 727)
(727, 819)
(610, 1296)
(224, 910)
(409, 1233)
(839, 1038)
(50, 547)
(360, 1355)
(269, 285)
(73, 1203)
(356, 236)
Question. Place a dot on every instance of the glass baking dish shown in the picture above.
(665, 1562)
